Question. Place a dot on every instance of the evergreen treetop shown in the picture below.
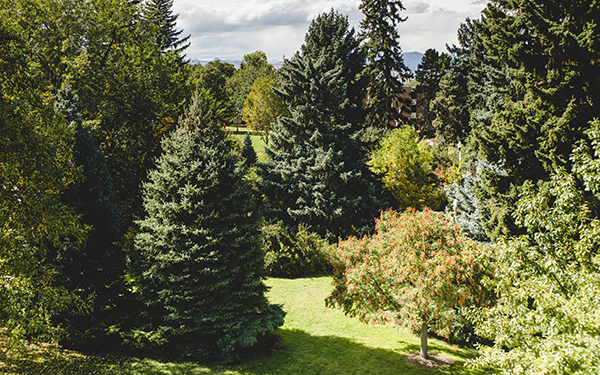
(160, 13)
(385, 67)
(316, 174)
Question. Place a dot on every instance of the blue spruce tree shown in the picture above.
(316, 174)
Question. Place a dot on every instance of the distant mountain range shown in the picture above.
(411, 59)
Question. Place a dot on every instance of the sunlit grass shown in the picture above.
(313, 340)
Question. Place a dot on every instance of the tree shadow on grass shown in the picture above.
(296, 352)
(302, 353)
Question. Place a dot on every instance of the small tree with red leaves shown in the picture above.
(416, 271)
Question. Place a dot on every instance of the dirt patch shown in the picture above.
(434, 361)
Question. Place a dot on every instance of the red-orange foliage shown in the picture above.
(417, 268)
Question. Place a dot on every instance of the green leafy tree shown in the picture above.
(202, 267)
(416, 271)
(546, 319)
(213, 77)
(35, 169)
(385, 67)
(263, 106)
(253, 66)
(430, 71)
(316, 173)
(405, 164)
(159, 13)
(130, 92)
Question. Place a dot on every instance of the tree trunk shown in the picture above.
(424, 341)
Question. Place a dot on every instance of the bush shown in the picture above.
(289, 254)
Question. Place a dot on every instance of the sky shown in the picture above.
(230, 29)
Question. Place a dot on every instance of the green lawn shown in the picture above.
(257, 143)
(314, 340)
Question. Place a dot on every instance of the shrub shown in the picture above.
(289, 254)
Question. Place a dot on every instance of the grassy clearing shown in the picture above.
(314, 340)
(257, 143)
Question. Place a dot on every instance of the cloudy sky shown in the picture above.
(229, 29)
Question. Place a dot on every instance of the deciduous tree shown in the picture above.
(546, 319)
(404, 163)
(263, 107)
(416, 271)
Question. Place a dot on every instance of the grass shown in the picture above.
(314, 340)
(257, 143)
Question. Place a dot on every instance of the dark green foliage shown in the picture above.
(450, 107)
(289, 254)
(248, 152)
(92, 269)
(160, 14)
(202, 268)
(385, 67)
(213, 77)
(538, 94)
(430, 71)
(316, 174)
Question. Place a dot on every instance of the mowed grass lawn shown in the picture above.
(313, 340)
(257, 143)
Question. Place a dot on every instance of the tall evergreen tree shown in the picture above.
(538, 95)
(430, 71)
(316, 173)
(202, 269)
(385, 67)
(92, 269)
(160, 13)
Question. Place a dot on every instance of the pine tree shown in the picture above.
(160, 13)
(538, 95)
(202, 274)
(385, 67)
(316, 173)
(248, 152)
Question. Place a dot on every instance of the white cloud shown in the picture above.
(229, 29)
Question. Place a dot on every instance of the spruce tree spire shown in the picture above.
(316, 175)
(385, 67)
(160, 13)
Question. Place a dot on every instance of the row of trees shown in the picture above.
(519, 93)
(92, 95)
(126, 207)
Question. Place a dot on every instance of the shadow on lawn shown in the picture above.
(297, 352)
(302, 353)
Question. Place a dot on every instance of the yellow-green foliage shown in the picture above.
(405, 164)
